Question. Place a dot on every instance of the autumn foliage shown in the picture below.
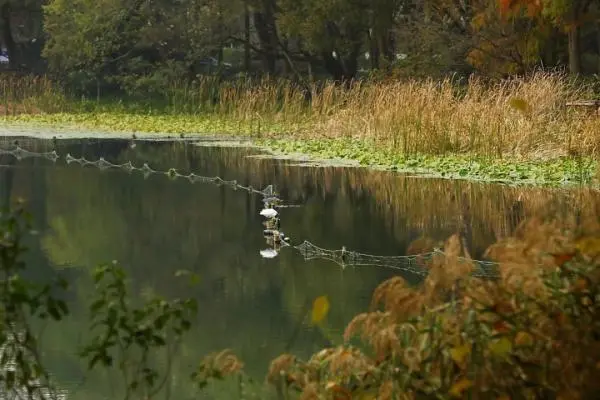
(532, 333)
(532, 7)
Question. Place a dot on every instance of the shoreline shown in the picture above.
(558, 171)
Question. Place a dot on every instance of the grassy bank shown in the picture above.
(517, 130)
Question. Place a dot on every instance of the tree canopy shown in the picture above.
(141, 43)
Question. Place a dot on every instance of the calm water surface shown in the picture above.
(155, 226)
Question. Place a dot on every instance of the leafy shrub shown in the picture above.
(532, 333)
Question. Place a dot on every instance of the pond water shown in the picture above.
(155, 226)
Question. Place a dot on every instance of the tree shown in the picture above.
(134, 43)
(566, 15)
(21, 33)
(335, 31)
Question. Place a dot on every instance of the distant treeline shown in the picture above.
(144, 45)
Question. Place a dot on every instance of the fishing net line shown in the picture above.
(172, 173)
(415, 264)
(20, 154)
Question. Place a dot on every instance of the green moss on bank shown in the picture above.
(153, 123)
(554, 172)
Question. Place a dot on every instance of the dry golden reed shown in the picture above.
(516, 117)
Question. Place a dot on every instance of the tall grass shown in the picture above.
(517, 117)
(25, 94)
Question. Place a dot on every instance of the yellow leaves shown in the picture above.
(460, 354)
(460, 387)
(365, 396)
(320, 309)
(523, 339)
(500, 347)
(478, 21)
(588, 246)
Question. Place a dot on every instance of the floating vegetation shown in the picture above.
(551, 172)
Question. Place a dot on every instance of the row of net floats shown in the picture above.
(275, 238)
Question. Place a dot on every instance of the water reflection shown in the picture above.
(250, 301)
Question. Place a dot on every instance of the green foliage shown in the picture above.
(128, 335)
(325, 26)
(139, 46)
(21, 301)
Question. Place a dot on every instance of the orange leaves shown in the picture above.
(501, 327)
(532, 8)
(519, 321)
(338, 392)
(562, 259)
(523, 339)
(460, 387)
(506, 6)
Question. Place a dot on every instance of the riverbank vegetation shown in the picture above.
(515, 130)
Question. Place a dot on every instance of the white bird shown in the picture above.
(268, 213)
(268, 253)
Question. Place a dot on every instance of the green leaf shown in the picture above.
(500, 347)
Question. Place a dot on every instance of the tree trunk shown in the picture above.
(574, 51)
(342, 69)
(598, 46)
(264, 38)
(9, 41)
(333, 66)
(246, 37)
(375, 50)
(573, 41)
(264, 22)
(351, 64)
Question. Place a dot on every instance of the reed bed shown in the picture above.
(524, 117)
